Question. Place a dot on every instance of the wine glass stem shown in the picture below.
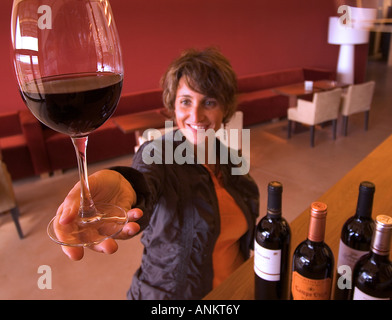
(87, 207)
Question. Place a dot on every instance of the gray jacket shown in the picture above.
(181, 223)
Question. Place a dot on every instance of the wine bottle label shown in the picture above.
(360, 295)
(303, 288)
(348, 256)
(267, 263)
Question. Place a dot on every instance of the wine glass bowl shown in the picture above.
(68, 65)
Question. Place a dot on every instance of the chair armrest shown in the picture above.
(344, 103)
(33, 133)
(304, 106)
(306, 111)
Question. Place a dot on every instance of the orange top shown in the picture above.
(227, 256)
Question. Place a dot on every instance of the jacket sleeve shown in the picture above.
(147, 180)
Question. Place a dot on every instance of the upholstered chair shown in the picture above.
(323, 108)
(358, 98)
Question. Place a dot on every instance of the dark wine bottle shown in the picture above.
(372, 276)
(272, 249)
(313, 260)
(355, 240)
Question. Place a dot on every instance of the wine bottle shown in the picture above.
(313, 260)
(355, 240)
(372, 276)
(272, 249)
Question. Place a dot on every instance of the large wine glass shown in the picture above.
(68, 64)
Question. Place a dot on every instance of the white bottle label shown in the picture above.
(348, 256)
(267, 263)
(360, 295)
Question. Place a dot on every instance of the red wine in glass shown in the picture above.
(75, 104)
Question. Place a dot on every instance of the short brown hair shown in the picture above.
(207, 72)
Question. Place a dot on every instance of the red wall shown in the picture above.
(256, 35)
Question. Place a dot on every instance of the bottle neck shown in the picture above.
(276, 210)
(316, 231)
(381, 240)
(274, 203)
(364, 210)
(274, 215)
(365, 199)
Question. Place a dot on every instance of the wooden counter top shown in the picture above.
(341, 200)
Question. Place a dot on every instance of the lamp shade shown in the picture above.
(339, 33)
(355, 32)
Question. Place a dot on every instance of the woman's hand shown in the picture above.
(107, 186)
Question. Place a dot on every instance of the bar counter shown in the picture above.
(341, 200)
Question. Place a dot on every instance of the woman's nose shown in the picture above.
(197, 114)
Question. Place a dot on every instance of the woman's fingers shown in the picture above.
(132, 227)
(74, 253)
(70, 207)
(134, 214)
(107, 246)
(129, 231)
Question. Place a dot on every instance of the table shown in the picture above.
(297, 90)
(341, 200)
(329, 84)
(141, 121)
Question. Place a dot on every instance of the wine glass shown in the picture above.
(68, 64)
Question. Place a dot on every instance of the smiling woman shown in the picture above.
(197, 218)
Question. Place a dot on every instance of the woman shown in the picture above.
(197, 219)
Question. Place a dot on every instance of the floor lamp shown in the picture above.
(347, 37)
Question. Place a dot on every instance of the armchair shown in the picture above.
(357, 99)
(323, 108)
(21, 145)
(32, 131)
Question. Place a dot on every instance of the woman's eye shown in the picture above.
(210, 103)
(185, 102)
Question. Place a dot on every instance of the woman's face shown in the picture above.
(195, 111)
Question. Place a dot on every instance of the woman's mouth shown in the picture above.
(198, 126)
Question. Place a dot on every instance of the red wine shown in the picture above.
(74, 104)
(355, 240)
(272, 249)
(372, 276)
(313, 260)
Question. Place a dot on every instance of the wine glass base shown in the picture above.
(83, 232)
